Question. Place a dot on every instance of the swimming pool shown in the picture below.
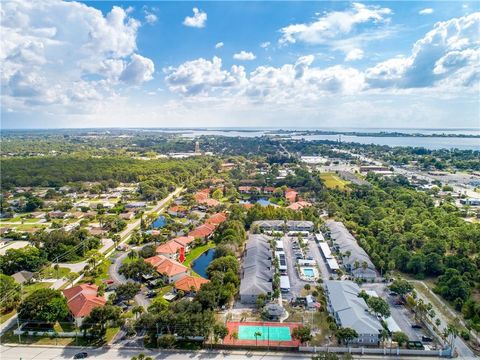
(308, 272)
(273, 333)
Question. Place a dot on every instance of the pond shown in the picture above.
(159, 223)
(200, 264)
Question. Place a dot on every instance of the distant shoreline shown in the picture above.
(271, 131)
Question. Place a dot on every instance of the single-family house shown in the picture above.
(203, 232)
(136, 205)
(170, 249)
(216, 219)
(81, 300)
(291, 195)
(185, 241)
(127, 216)
(22, 277)
(209, 202)
(177, 210)
(190, 284)
(57, 214)
(171, 270)
(299, 205)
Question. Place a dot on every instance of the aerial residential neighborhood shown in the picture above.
(239, 180)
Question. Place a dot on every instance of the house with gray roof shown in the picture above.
(22, 277)
(351, 311)
(355, 260)
(256, 274)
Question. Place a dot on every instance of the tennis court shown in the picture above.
(269, 334)
(274, 333)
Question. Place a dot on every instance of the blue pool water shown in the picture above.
(159, 223)
(308, 272)
(263, 202)
(200, 264)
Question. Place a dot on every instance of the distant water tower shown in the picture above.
(197, 147)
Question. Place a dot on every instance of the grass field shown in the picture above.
(28, 289)
(6, 316)
(332, 181)
(51, 273)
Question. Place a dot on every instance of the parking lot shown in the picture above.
(296, 284)
(402, 316)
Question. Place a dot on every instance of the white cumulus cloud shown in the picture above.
(219, 45)
(426, 11)
(139, 70)
(198, 19)
(151, 18)
(244, 55)
(353, 55)
(201, 76)
(446, 55)
(67, 53)
(334, 24)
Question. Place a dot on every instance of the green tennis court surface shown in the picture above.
(273, 333)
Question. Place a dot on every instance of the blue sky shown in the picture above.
(309, 64)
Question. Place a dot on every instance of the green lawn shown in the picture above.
(28, 289)
(6, 316)
(51, 273)
(196, 252)
(332, 181)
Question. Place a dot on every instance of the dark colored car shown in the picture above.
(81, 355)
(416, 326)
(426, 339)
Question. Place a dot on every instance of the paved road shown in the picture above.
(296, 284)
(54, 353)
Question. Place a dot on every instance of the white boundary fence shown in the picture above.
(377, 351)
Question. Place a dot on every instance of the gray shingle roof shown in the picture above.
(351, 311)
(346, 242)
(257, 273)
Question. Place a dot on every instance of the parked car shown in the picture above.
(81, 355)
(416, 326)
(151, 294)
(426, 339)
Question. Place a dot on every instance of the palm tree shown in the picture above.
(257, 334)
(234, 336)
(138, 310)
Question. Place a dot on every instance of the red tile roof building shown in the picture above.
(189, 283)
(217, 219)
(82, 299)
(169, 268)
(209, 202)
(170, 249)
(291, 195)
(299, 205)
(203, 231)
